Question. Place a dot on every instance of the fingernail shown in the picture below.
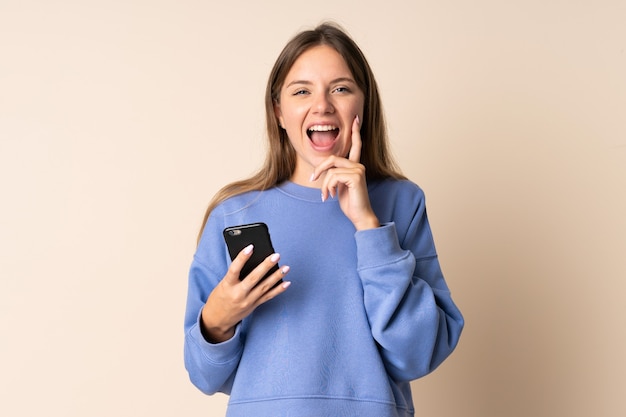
(248, 249)
(358, 120)
(275, 257)
(286, 284)
(323, 198)
(284, 269)
(312, 176)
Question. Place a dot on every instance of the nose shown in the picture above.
(323, 104)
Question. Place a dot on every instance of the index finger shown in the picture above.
(355, 149)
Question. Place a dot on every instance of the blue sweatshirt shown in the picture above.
(367, 312)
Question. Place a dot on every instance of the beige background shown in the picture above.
(120, 119)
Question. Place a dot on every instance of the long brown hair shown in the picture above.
(280, 160)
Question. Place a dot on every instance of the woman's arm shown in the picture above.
(410, 309)
(211, 366)
(216, 303)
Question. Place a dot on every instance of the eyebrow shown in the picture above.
(335, 81)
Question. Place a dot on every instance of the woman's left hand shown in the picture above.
(345, 179)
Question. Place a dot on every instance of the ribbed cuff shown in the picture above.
(218, 353)
(378, 246)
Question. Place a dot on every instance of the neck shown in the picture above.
(303, 177)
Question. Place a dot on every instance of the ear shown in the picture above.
(278, 113)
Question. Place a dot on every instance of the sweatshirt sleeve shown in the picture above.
(211, 367)
(411, 313)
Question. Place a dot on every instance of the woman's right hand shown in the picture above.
(233, 300)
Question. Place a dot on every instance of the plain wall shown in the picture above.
(120, 119)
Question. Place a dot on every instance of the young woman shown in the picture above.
(362, 308)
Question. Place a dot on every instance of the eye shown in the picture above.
(341, 90)
(300, 92)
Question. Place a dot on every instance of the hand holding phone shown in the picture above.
(229, 302)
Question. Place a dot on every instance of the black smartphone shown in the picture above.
(257, 234)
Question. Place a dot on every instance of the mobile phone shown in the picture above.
(257, 234)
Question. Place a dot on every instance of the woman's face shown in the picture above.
(318, 103)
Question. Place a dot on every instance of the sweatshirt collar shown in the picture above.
(301, 192)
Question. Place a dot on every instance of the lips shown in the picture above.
(323, 137)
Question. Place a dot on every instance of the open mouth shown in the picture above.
(323, 136)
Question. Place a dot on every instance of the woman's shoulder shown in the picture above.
(237, 202)
(394, 189)
(397, 201)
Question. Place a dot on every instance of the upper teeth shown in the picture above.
(322, 128)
